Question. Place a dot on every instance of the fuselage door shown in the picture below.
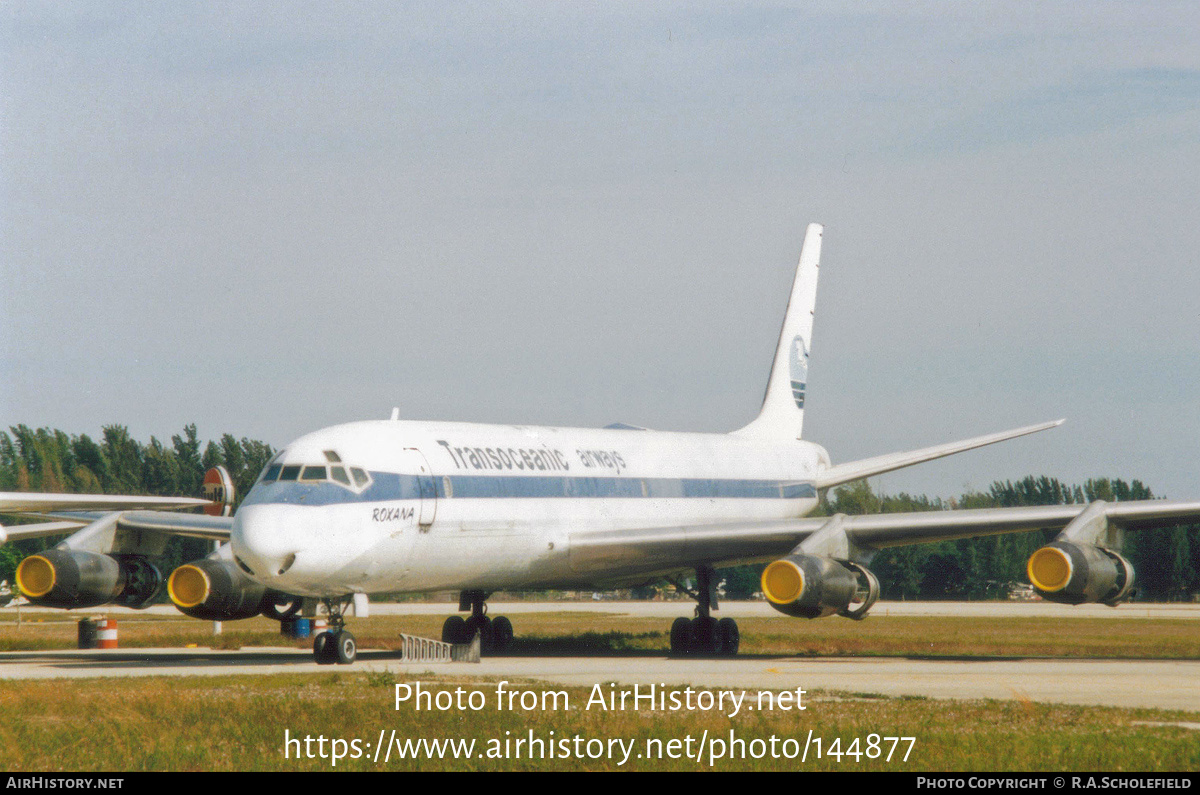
(414, 463)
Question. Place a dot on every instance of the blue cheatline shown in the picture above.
(392, 486)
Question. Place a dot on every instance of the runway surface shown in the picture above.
(671, 609)
(1167, 684)
(1124, 683)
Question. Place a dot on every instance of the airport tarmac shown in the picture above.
(669, 610)
(1165, 684)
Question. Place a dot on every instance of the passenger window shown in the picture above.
(313, 473)
(339, 474)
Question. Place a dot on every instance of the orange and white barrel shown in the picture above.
(106, 633)
(319, 625)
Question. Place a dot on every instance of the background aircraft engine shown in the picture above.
(809, 586)
(72, 578)
(281, 606)
(215, 590)
(1076, 574)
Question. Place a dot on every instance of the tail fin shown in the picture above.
(782, 413)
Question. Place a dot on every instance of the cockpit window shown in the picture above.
(355, 479)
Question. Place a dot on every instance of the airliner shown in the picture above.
(388, 506)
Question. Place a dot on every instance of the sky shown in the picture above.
(266, 218)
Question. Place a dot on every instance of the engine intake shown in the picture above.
(1076, 574)
(813, 586)
(215, 590)
(72, 578)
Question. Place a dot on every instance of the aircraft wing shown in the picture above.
(857, 470)
(663, 549)
(39, 530)
(40, 502)
(73, 512)
(192, 525)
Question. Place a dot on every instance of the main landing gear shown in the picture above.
(704, 635)
(336, 645)
(495, 634)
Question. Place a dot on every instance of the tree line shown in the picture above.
(50, 460)
(1167, 560)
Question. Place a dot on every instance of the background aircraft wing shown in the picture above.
(72, 512)
(653, 550)
(40, 502)
(194, 525)
(130, 527)
(39, 530)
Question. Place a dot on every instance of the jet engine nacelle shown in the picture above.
(814, 586)
(1076, 574)
(73, 578)
(216, 590)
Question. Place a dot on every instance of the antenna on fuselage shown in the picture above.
(395, 413)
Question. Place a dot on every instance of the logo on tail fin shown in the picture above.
(218, 487)
(799, 368)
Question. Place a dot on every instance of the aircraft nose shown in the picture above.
(263, 541)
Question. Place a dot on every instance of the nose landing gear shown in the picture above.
(336, 645)
(705, 635)
(495, 634)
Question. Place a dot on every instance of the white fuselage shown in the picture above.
(457, 506)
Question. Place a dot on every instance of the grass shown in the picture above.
(238, 723)
(598, 634)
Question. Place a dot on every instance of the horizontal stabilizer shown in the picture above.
(867, 467)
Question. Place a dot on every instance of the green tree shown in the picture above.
(160, 469)
(255, 456)
(187, 453)
(90, 466)
(10, 462)
(212, 457)
(123, 461)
